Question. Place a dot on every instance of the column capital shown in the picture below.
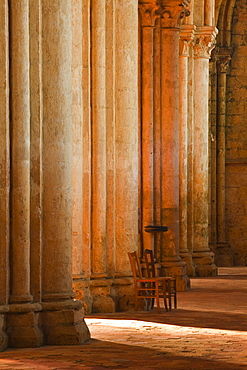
(223, 57)
(148, 12)
(186, 39)
(172, 12)
(205, 40)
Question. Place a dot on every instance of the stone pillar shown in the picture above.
(22, 319)
(4, 154)
(100, 286)
(190, 159)
(223, 252)
(186, 40)
(209, 8)
(126, 140)
(77, 116)
(20, 132)
(147, 10)
(157, 136)
(203, 258)
(62, 317)
(81, 220)
(212, 152)
(98, 252)
(35, 147)
(4, 173)
(171, 16)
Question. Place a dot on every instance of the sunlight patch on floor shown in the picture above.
(168, 328)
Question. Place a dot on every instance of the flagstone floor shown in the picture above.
(208, 331)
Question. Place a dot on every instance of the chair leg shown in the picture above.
(164, 294)
(169, 294)
(136, 301)
(175, 295)
(157, 298)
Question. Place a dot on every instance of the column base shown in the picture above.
(63, 323)
(23, 326)
(204, 264)
(223, 255)
(125, 296)
(101, 291)
(3, 335)
(186, 257)
(81, 287)
(178, 270)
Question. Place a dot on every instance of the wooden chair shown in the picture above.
(149, 288)
(171, 291)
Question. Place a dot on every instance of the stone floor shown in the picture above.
(208, 331)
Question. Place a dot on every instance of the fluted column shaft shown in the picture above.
(202, 257)
(57, 150)
(20, 151)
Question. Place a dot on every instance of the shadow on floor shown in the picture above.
(97, 355)
(186, 318)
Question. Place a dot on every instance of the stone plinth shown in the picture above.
(3, 335)
(63, 323)
(101, 293)
(23, 325)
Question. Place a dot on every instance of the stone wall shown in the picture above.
(236, 139)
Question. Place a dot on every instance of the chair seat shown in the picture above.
(171, 289)
(149, 288)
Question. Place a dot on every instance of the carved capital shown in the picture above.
(173, 12)
(187, 39)
(205, 41)
(223, 57)
(223, 63)
(148, 12)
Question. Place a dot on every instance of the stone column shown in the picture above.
(212, 153)
(35, 147)
(4, 173)
(4, 154)
(77, 116)
(100, 287)
(224, 257)
(186, 40)
(209, 7)
(22, 319)
(81, 219)
(190, 159)
(147, 11)
(171, 16)
(20, 154)
(126, 141)
(62, 317)
(98, 252)
(82, 151)
(203, 258)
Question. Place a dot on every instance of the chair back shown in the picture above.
(150, 265)
(135, 265)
